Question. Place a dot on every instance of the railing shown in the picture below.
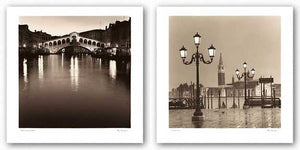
(224, 102)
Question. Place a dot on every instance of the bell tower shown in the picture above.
(221, 72)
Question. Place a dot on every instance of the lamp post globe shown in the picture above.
(183, 52)
(211, 51)
(252, 71)
(245, 65)
(237, 71)
(197, 39)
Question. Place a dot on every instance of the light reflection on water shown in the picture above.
(112, 69)
(60, 91)
(25, 70)
(100, 63)
(41, 67)
(74, 73)
(62, 60)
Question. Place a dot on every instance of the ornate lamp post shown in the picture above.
(197, 57)
(245, 75)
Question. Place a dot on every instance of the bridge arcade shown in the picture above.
(55, 45)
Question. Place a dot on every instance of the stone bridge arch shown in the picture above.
(73, 39)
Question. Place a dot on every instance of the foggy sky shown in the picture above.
(254, 39)
(61, 25)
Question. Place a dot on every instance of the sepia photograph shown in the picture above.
(224, 72)
(224, 75)
(70, 75)
(74, 71)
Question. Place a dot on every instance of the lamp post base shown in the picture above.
(197, 118)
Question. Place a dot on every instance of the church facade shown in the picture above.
(221, 72)
(233, 89)
(237, 88)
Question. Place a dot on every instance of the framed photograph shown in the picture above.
(224, 75)
(69, 75)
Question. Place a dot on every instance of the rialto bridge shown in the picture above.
(59, 44)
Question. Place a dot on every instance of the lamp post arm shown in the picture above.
(249, 76)
(189, 62)
(204, 61)
(240, 77)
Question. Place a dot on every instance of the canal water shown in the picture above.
(255, 117)
(59, 91)
(229, 102)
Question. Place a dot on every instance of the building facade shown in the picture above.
(117, 35)
(28, 38)
(233, 89)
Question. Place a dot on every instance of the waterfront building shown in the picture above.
(28, 38)
(235, 88)
(115, 36)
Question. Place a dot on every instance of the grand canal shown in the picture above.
(59, 91)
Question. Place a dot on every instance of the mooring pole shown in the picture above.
(211, 100)
(219, 101)
(208, 99)
(226, 97)
(238, 94)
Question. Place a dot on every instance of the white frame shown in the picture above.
(79, 135)
(224, 135)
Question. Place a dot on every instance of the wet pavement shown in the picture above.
(255, 117)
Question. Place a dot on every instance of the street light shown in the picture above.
(245, 75)
(183, 52)
(197, 39)
(197, 57)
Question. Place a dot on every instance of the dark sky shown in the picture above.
(61, 25)
(254, 39)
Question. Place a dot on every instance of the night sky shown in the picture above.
(61, 25)
(254, 39)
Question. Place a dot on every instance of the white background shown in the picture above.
(190, 135)
(149, 72)
(112, 135)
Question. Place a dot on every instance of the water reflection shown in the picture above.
(100, 63)
(74, 73)
(255, 117)
(62, 60)
(112, 69)
(128, 67)
(41, 67)
(25, 70)
(75, 92)
(198, 124)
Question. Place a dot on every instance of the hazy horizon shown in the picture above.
(61, 25)
(254, 39)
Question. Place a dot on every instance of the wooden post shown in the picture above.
(204, 96)
(274, 98)
(208, 99)
(211, 100)
(219, 101)
(191, 91)
(261, 96)
(238, 99)
(279, 101)
(233, 99)
(226, 97)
